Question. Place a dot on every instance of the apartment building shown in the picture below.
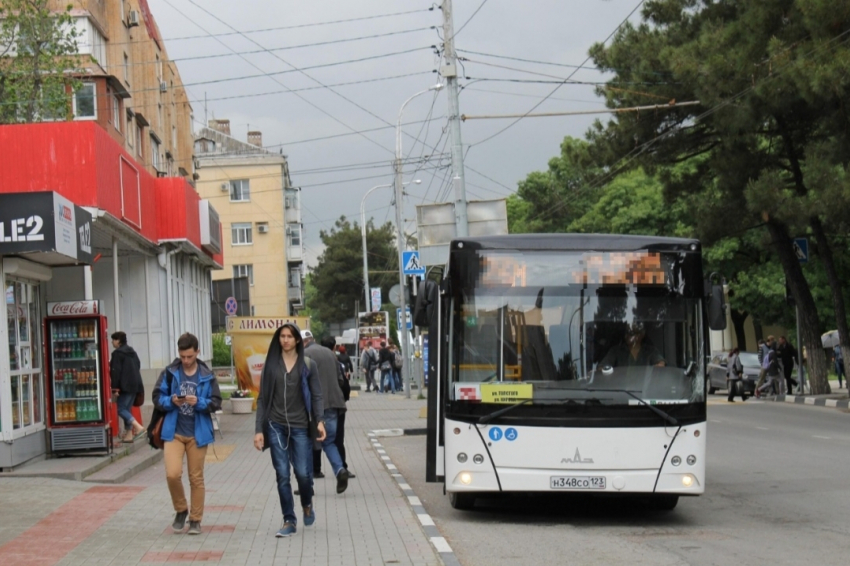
(260, 213)
(130, 87)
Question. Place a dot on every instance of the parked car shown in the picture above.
(717, 372)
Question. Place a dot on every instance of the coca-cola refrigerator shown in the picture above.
(78, 392)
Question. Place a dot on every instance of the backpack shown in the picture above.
(398, 361)
(154, 430)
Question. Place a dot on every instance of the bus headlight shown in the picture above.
(675, 460)
(461, 457)
(687, 480)
(691, 460)
(465, 478)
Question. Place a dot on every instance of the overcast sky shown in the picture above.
(314, 126)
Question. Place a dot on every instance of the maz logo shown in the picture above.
(16, 230)
(577, 459)
(85, 237)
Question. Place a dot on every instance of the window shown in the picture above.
(244, 271)
(139, 151)
(295, 278)
(295, 235)
(156, 160)
(241, 234)
(159, 113)
(131, 138)
(84, 102)
(240, 190)
(90, 41)
(126, 68)
(116, 111)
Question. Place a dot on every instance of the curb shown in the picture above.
(440, 544)
(816, 401)
(129, 466)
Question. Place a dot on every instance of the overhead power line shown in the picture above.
(580, 112)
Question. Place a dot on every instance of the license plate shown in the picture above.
(577, 482)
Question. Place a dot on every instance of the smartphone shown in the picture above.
(181, 396)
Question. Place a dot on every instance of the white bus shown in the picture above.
(567, 362)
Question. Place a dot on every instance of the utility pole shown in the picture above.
(399, 191)
(449, 72)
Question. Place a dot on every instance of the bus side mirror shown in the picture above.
(426, 298)
(716, 308)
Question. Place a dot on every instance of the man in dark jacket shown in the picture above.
(330, 375)
(289, 406)
(788, 355)
(126, 377)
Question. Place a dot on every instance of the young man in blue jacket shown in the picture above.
(187, 391)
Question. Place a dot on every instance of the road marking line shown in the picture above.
(441, 544)
(762, 428)
(821, 437)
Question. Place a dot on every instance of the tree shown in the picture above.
(547, 201)
(773, 90)
(338, 276)
(38, 51)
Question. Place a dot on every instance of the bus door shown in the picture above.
(436, 323)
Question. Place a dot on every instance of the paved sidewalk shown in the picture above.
(48, 521)
(838, 399)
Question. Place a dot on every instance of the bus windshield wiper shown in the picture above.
(653, 408)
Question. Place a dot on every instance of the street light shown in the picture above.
(366, 289)
(405, 370)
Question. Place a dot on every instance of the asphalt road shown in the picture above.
(777, 494)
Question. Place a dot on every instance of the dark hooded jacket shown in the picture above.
(311, 388)
(125, 370)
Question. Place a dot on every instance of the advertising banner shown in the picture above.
(250, 337)
(372, 328)
(45, 222)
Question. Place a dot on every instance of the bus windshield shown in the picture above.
(606, 328)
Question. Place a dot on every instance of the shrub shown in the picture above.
(221, 351)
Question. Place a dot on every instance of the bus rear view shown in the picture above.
(569, 363)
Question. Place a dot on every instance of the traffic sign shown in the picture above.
(801, 249)
(412, 265)
(407, 318)
(231, 306)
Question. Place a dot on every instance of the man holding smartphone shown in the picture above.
(187, 391)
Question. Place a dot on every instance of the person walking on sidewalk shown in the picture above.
(788, 356)
(289, 418)
(772, 375)
(385, 360)
(188, 393)
(346, 368)
(330, 376)
(734, 375)
(126, 378)
(368, 360)
(838, 360)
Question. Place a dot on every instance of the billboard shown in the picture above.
(372, 328)
(250, 338)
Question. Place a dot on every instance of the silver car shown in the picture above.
(717, 372)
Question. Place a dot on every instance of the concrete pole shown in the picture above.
(449, 71)
(116, 296)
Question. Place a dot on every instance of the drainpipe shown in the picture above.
(115, 295)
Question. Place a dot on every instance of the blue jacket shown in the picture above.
(209, 401)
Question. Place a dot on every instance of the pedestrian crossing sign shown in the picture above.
(411, 263)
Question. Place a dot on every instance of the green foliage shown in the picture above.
(37, 53)
(317, 327)
(221, 351)
(338, 276)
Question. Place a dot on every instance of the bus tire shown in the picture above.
(664, 502)
(462, 501)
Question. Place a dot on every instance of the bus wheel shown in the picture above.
(462, 501)
(664, 502)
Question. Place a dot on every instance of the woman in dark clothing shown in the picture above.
(125, 374)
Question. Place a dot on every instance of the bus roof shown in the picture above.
(576, 242)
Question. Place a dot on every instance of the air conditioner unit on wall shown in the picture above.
(263, 228)
(133, 18)
(225, 187)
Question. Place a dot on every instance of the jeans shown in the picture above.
(328, 444)
(839, 370)
(292, 446)
(397, 378)
(125, 403)
(173, 457)
(340, 437)
(387, 380)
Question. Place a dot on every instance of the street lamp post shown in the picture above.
(366, 289)
(405, 349)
